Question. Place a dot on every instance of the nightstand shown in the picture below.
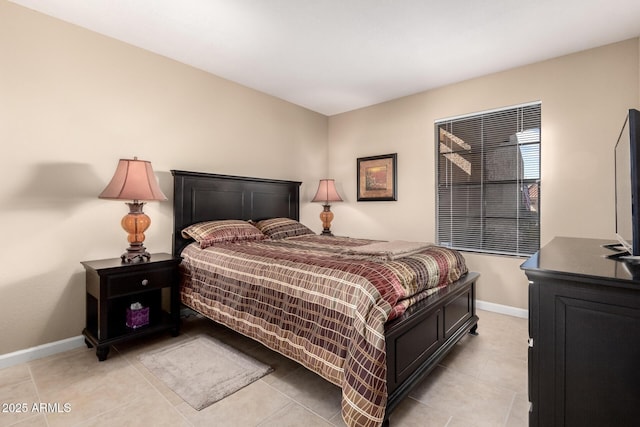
(113, 286)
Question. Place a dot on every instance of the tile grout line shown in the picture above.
(35, 386)
(292, 400)
(513, 399)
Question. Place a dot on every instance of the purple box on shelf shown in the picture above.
(137, 317)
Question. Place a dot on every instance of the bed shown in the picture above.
(375, 342)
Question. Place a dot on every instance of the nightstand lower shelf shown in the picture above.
(103, 346)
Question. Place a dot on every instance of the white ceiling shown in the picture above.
(333, 56)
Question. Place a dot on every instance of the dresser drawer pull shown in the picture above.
(144, 282)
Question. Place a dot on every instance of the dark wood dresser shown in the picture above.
(584, 328)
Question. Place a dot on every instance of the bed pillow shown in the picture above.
(279, 228)
(222, 231)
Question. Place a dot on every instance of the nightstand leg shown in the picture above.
(102, 352)
(88, 343)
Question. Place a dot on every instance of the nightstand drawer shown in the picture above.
(123, 284)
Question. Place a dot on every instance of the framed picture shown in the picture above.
(377, 178)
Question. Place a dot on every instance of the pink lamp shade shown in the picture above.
(326, 193)
(134, 180)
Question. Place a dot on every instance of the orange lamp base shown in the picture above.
(326, 216)
(135, 223)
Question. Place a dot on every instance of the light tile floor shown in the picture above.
(483, 382)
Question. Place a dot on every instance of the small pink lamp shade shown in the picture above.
(133, 180)
(327, 192)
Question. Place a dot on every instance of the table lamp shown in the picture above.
(134, 180)
(327, 193)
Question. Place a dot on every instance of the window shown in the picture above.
(488, 177)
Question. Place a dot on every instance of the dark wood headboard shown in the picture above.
(201, 197)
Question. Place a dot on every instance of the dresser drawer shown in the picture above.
(123, 284)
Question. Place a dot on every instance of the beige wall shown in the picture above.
(71, 104)
(584, 101)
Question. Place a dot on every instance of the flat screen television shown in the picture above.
(627, 185)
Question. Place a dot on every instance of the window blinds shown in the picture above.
(488, 178)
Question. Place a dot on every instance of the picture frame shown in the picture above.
(377, 178)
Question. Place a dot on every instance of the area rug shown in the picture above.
(203, 370)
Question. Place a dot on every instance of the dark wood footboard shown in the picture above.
(419, 339)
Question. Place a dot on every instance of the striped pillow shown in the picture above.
(222, 231)
(279, 228)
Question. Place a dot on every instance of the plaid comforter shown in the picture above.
(309, 299)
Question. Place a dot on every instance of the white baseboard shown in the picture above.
(502, 309)
(33, 353)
